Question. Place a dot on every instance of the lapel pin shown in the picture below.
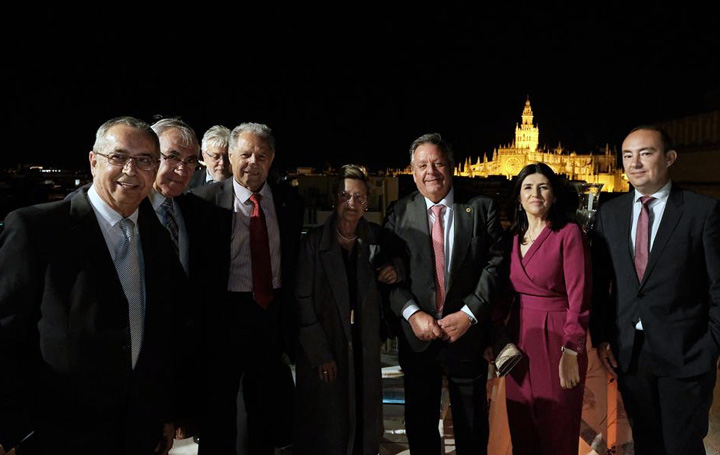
(468, 209)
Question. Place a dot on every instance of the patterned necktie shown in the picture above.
(260, 254)
(171, 222)
(128, 269)
(642, 237)
(438, 242)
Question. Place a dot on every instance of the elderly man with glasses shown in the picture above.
(91, 303)
(215, 144)
(179, 157)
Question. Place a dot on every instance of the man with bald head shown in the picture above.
(655, 317)
(89, 288)
(249, 325)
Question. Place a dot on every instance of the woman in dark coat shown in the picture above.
(339, 392)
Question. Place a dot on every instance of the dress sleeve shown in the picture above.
(576, 269)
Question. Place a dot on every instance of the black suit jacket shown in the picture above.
(678, 299)
(477, 263)
(289, 209)
(65, 338)
(198, 178)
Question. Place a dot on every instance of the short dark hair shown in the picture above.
(557, 216)
(437, 140)
(664, 136)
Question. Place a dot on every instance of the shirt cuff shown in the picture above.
(471, 316)
(409, 309)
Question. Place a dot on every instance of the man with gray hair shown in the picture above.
(256, 240)
(179, 150)
(453, 261)
(91, 304)
(215, 144)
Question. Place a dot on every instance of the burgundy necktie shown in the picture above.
(260, 255)
(642, 237)
(438, 241)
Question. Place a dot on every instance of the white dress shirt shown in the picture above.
(240, 262)
(157, 200)
(448, 223)
(656, 209)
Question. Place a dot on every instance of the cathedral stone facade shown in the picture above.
(509, 160)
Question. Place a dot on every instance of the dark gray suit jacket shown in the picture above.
(678, 299)
(65, 338)
(477, 261)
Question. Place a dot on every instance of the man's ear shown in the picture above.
(670, 157)
(93, 162)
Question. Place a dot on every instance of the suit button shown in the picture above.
(640, 295)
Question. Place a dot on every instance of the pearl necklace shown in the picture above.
(347, 239)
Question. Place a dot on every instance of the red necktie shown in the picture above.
(438, 242)
(260, 255)
(642, 237)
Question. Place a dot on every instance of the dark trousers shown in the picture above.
(668, 416)
(245, 343)
(468, 404)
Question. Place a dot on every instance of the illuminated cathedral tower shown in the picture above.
(527, 134)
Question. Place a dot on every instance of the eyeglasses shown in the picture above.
(216, 156)
(347, 197)
(191, 163)
(143, 162)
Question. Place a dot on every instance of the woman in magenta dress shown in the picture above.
(550, 280)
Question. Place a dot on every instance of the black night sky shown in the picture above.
(355, 83)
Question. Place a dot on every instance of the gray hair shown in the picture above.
(257, 129)
(186, 132)
(216, 136)
(132, 122)
(437, 140)
(350, 171)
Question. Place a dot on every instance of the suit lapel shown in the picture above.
(461, 242)
(87, 233)
(674, 210)
(625, 215)
(332, 263)
(224, 197)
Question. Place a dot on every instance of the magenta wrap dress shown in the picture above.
(551, 310)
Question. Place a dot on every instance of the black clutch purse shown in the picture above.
(506, 359)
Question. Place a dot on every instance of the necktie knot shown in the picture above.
(255, 199)
(167, 205)
(645, 200)
(437, 210)
(128, 227)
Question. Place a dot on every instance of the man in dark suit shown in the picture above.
(256, 238)
(89, 289)
(179, 150)
(656, 306)
(453, 262)
(215, 144)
